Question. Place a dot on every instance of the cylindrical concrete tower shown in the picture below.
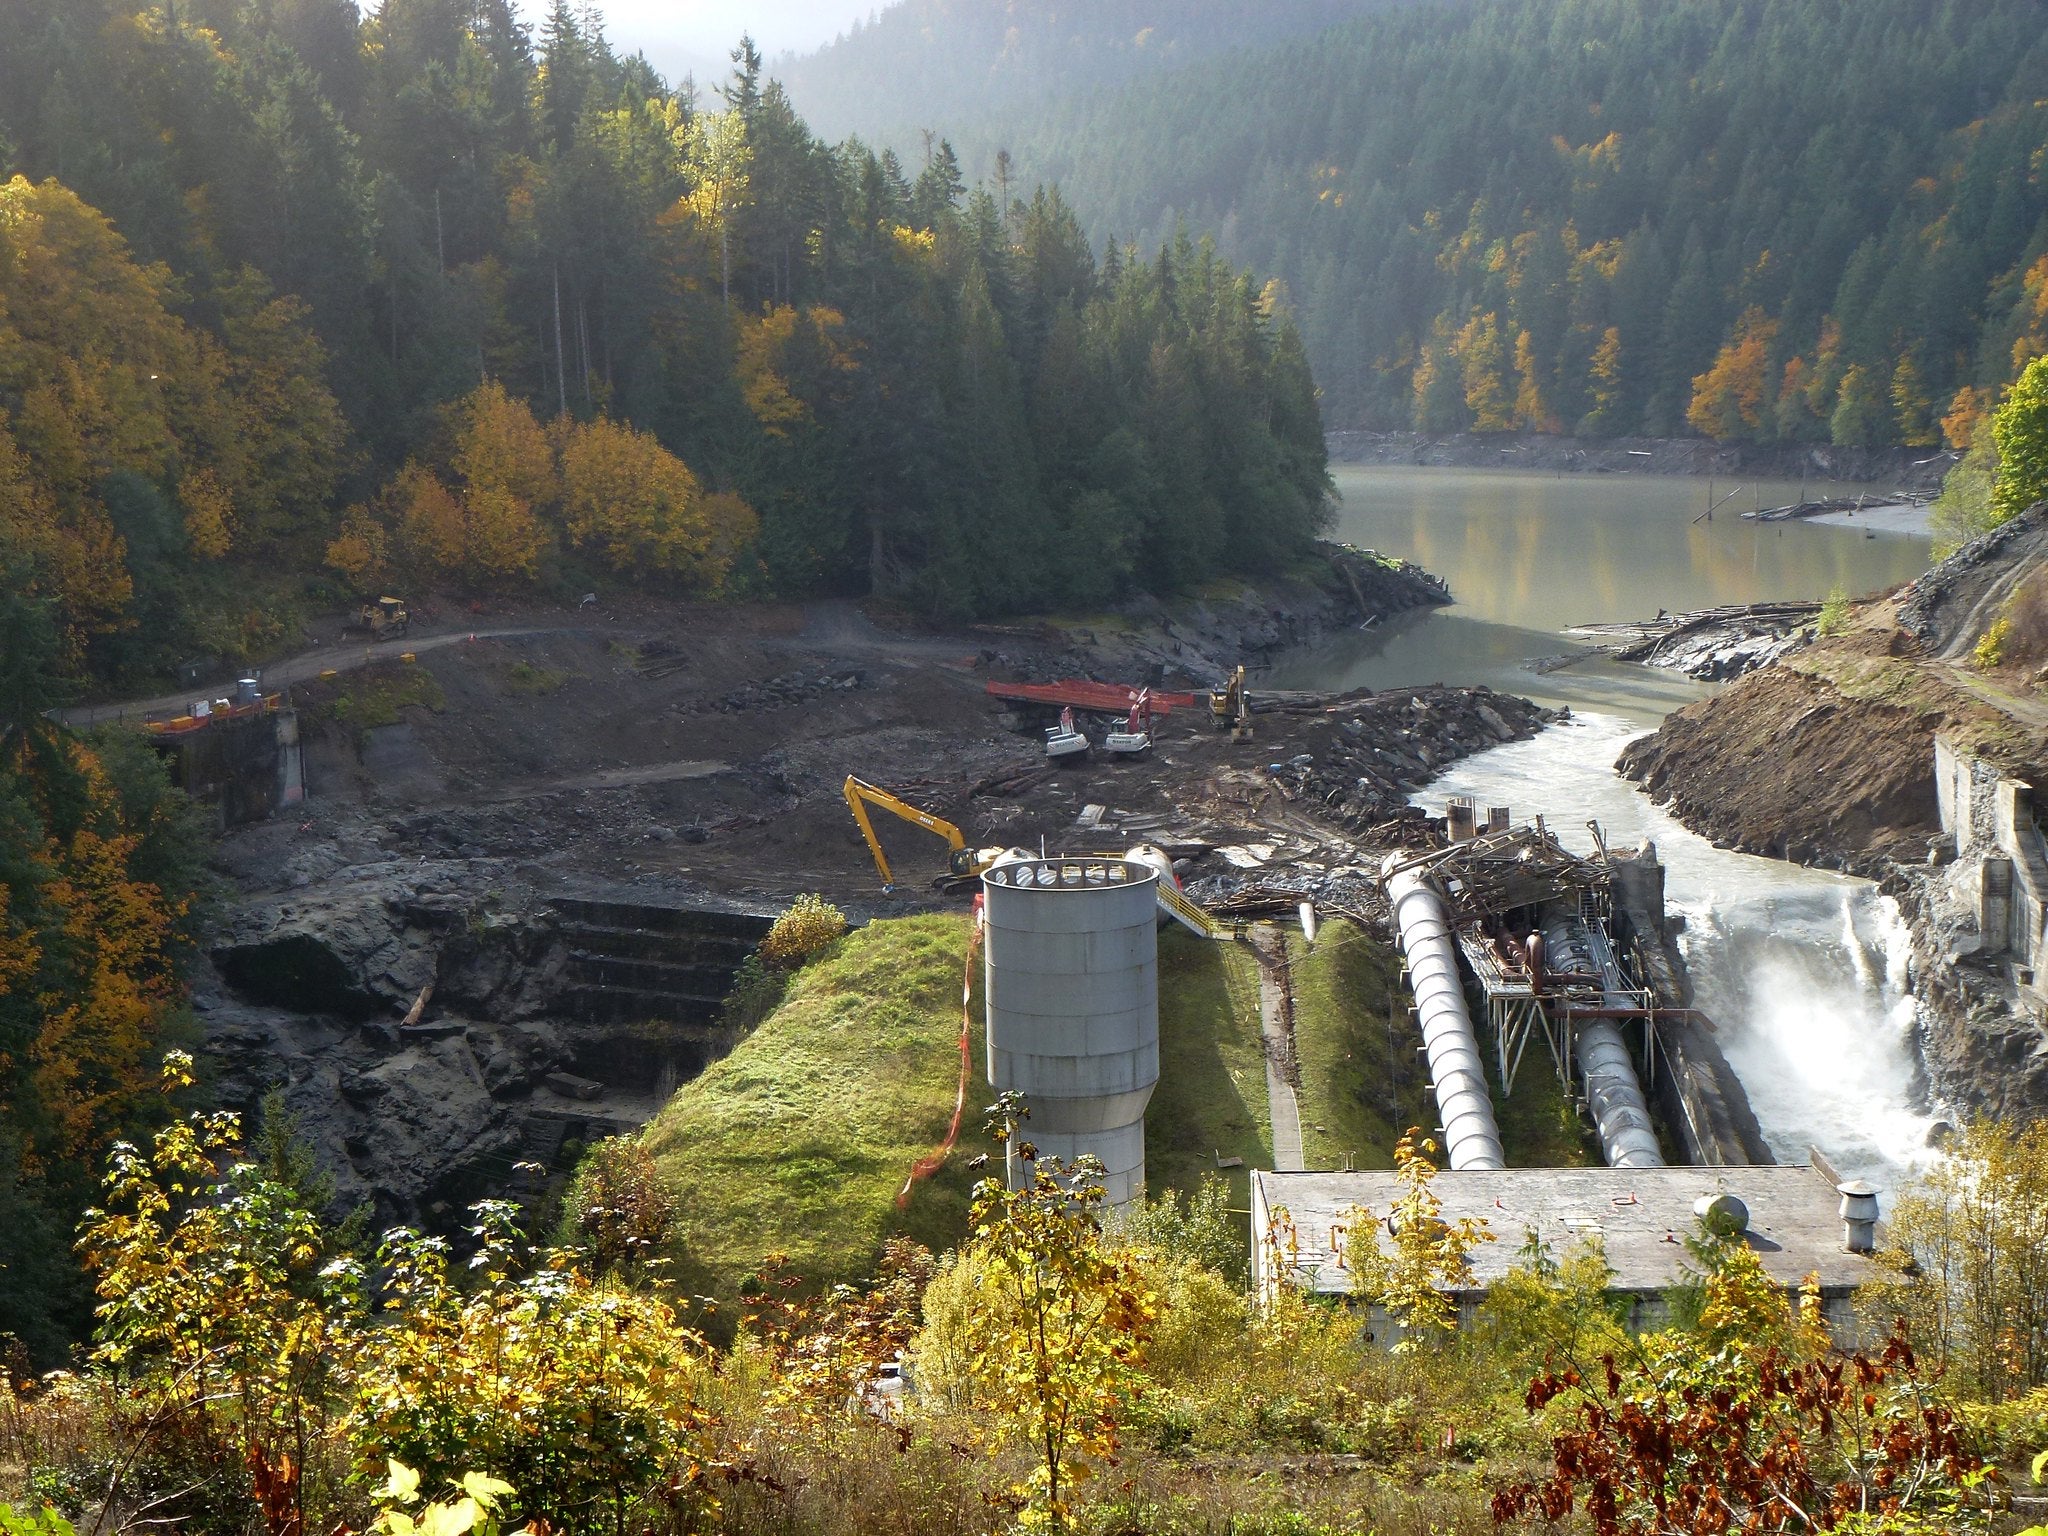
(1072, 991)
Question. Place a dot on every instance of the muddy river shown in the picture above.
(1803, 971)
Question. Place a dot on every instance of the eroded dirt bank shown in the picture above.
(1787, 765)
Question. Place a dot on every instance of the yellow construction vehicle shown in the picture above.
(385, 619)
(964, 863)
(1230, 708)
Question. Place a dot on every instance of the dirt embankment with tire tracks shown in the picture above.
(1827, 757)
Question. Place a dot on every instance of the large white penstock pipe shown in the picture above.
(1614, 1094)
(1471, 1137)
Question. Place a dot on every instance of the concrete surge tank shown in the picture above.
(1072, 993)
(1456, 1069)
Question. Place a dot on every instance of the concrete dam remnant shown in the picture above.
(1071, 981)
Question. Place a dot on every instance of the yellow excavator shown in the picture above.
(964, 863)
(1230, 708)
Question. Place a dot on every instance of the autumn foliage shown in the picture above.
(1729, 400)
(1701, 1446)
(508, 491)
(97, 858)
(99, 377)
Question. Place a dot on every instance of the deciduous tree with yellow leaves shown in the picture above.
(632, 501)
(1728, 400)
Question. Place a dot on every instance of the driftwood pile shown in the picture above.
(1859, 503)
(1645, 639)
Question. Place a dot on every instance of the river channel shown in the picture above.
(1803, 971)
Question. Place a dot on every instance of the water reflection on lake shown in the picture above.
(1529, 555)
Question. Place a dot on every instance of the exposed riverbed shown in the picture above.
(1804, 971)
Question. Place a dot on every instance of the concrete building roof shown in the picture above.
(1641, 1215)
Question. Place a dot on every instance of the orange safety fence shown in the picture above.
(933, 1161)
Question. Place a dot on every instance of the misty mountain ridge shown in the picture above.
(933, 64)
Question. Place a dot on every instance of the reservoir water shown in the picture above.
(1803, 971)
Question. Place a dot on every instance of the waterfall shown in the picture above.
(1804, 972)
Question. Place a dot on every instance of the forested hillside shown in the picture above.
(934, 64)
(1757, 219)
(298, 299)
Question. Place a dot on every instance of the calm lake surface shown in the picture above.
(1803, 971)
(1527, 556)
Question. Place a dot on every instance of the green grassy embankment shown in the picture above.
(798, 1141)
(1361, 1085)
(1211, 1098)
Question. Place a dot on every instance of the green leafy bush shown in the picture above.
(619, 1206)
(811, 926)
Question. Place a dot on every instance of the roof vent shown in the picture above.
(1859, 1215)
(1722, 1214)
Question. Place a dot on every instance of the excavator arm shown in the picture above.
(860, 795)
(1230, 708)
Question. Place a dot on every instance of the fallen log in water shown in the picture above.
(1859, 503)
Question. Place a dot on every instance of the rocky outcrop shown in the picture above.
(1985, 1049)
(436, 1040)
(1203, 638)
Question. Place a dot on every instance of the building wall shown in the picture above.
(2001, 872)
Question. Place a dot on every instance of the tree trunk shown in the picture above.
(561, 376)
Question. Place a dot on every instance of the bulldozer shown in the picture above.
(962, 864)
(1230, 708)
(385, 619)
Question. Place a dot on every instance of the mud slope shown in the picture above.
(1786, 764)
(1827, 757)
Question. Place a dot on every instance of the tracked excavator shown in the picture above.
(1230, 708)
(963, 863)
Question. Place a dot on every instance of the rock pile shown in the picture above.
(777, 693)
(429, 1029)
(1372, 751)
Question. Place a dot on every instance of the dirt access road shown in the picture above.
(834, 625)
(302, 668)
(702, 747)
